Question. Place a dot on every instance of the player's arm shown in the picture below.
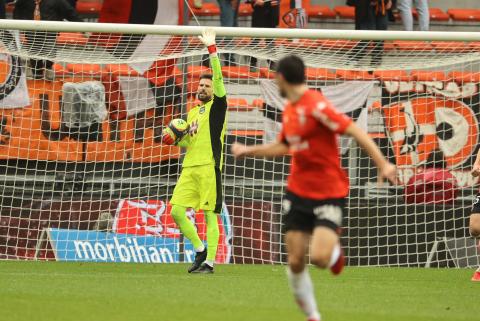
(339, 123)
(387, 169)
(277, 148)
(476, 166)
(208, 39)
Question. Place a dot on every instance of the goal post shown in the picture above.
(85, 176)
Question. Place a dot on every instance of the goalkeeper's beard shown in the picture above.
(203, 97)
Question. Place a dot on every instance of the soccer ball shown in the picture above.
(177, 128)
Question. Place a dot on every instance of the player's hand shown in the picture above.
(167, 139)
(258, 3)
(389, 171)
(239, 150)
(476, 170)
(208, 37)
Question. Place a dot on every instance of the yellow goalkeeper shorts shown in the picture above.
(199, 187)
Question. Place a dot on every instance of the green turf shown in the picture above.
(74, 291)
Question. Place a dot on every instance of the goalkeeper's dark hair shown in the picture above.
(292, 69)
(206, 76)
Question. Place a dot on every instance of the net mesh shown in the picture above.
(85, 176)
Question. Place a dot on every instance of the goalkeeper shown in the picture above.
(200, 185)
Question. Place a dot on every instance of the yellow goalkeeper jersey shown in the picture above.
(208, 125)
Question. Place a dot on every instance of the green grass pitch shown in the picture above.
(37, 291)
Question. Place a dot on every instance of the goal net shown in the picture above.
(84, 176)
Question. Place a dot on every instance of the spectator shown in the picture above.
(432, 184)
(43, 42)
(370, 15)
(229, 18)
(405, 8)
(265, 15)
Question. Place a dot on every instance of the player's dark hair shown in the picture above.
(206, 76)
(292, 69)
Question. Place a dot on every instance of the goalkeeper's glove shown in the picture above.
(167, 138)
(208, 39)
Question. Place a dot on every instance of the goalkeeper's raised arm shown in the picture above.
(208, 39)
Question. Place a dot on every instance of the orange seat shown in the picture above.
(345, 12)
(464, 14)
(243, 41)
(319, 74)
(354, 75)
(319, 11)
(257, 103)
(238, 104)
(407, 45)
(376, 105)
(196, 71)
(267, 73)
(104, 39)
(392, 75)
(242, 72)
(245, 9)
(121, 70)
(450, 46)
(474, 45)
(299, 43)
(389, 45)
(464, 76)
(420, 75)
(84, 7)
(207, 9)
(335, 44)
(84, 69)
(71, 38)
(436, 14)
(59, 70)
